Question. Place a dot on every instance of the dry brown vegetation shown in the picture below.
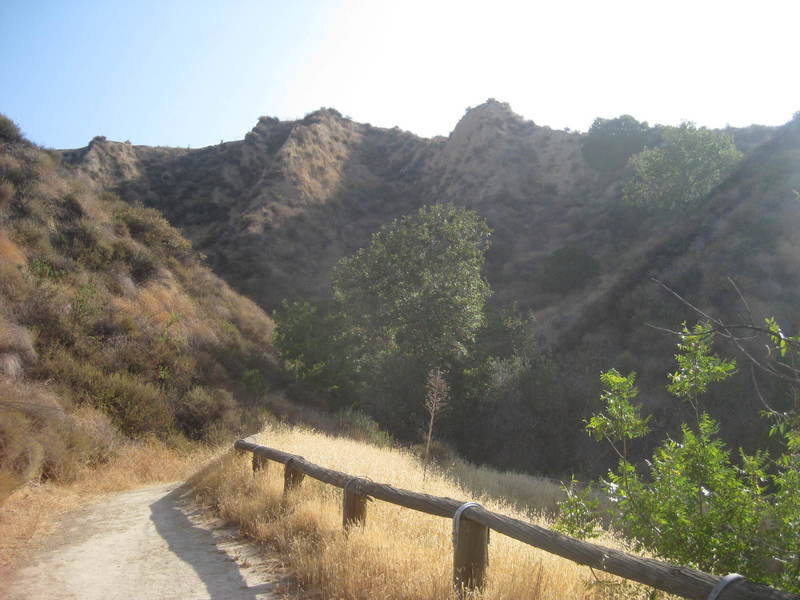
(111, 327)
(399, 553)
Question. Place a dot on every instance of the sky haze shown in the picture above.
(192, 73)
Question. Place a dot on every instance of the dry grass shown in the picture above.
(9, 251)
(524, 492)
(399, 553)
(16, 339)
(30, 512)
(160, 307)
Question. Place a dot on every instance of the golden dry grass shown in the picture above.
(30, 512)
(160, 306)
(400, 553)
(10, 252)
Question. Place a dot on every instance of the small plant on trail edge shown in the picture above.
(437, 393)
(694, 504)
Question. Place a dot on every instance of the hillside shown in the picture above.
(111, 326)
(274, 212)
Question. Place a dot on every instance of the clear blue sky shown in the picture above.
(177, 72)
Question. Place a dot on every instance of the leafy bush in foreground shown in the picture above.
(695, 504)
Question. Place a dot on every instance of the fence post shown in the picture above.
(470, 552)
(292, 476)
(259, 463)
(354, 506)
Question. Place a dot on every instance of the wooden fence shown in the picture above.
(472, 522)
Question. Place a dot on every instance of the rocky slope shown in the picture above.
(274, 212)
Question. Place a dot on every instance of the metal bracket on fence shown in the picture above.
(457, 519)
(723, 583)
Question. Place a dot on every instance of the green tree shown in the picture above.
(314, 346)
(609, 143)
(568, 269)
(417, 289)
(683, 170)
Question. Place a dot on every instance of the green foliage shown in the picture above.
(297, 333)
(86, 243)
(609, 143)
(42, 268)
(621, 420)
(409, 302)
(358, 425)
(694, 504)
(88, 302)
(314, 346)
(9, 131)
(417, 289)
(579, 511)
(697, 508)
(201, 409)
(683, 170)
(568, 269)
(697, 367)
(509, 395)
(781, 344)
(135, 406)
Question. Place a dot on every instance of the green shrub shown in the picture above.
(140, 260)
(9, 131)
(611, 142)
(201, 411)
(360, 426)
(683, 170)
(46, 312)
(88, 301)
(87, 244)
(695, 504)
(150, 228)
(7, 191)
(136, 407)
(43, 268)
(568, 269)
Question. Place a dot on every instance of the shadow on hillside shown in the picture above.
(197, 547)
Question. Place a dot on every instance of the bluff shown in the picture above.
(274, 212)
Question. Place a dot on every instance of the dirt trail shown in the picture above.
(151, 543)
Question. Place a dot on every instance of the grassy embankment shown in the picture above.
(399, 553)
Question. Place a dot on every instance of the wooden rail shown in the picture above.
(471, 543)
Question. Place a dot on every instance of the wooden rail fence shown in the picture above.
(472, 522)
